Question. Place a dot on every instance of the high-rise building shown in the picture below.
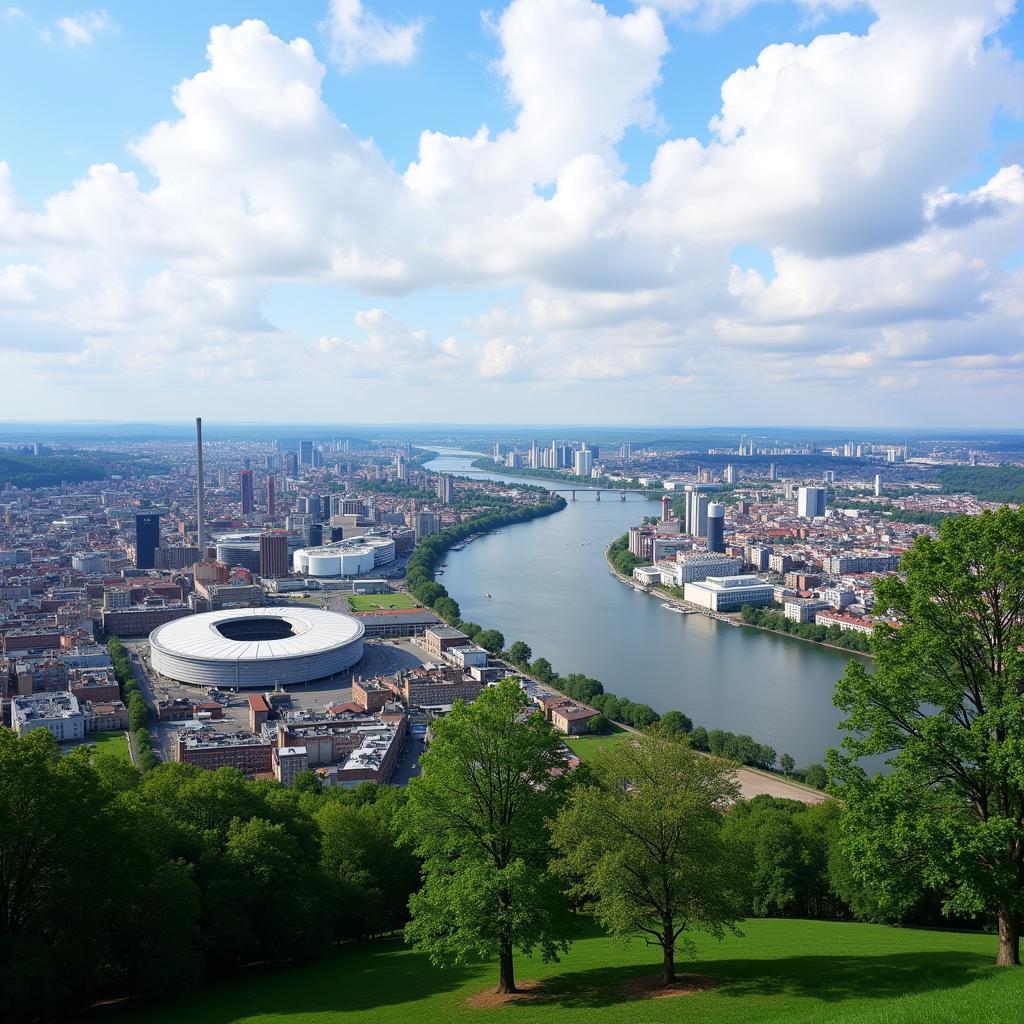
(401, 467)
(811, 502)
(270, 487)
(245, 484)
(268, 463)
(273, 555)
(291, 463)
(829, 476)
(147, 540)
(534, 461)
(444, 484)
(666, 508)
(246, 463)
(625, 450)
(583, 462)
(426, 524)
(878, 485)
(306, 453)
(730, 474)
(314, 507)
(773, 471)
(716, 527)
(699, 514)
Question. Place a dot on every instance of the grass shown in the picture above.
(374, 602)
(586, 746)
(110, 743)
(782, 972)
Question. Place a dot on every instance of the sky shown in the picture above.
(662, 212)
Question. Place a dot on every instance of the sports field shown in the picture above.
(780, 972)
(377, 602)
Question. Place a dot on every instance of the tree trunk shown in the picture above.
(668, 960)
(506, 970)
(1009, 938)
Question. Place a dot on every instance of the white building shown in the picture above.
(799, 610)
(810, 502)
(728, 593)
(839, 597)
(58, 712)
(583, 462)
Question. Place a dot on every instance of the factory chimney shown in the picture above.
(200, 487)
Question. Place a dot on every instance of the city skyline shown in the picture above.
(660, 209)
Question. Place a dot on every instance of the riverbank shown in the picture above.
(667, 596)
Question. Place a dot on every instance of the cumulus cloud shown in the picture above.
(358, 37)
(837, 156)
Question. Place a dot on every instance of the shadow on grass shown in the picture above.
(355, 979)
(829, 978)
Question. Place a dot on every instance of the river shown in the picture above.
(550, 587)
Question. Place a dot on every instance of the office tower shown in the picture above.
(223, 478)
(811, 502)
(273, 555)
(305, 453)
(246, 463)
(313, 507)
(829, 476)
(318, 459)
(200, 492)
(788, 489)
(147, 540)
(426, 524)
(625, 450)
(595, 451)
(270, 486)
(291, 463)
(497, 449)
(730, 474)
(666, 508)
(696, 513)
(534, 462)
(773, 471)
(444, 486)
(716, 527)
(268, 463)
(878, 485)
(583, 462)
(401, 468)
(245, 485)
(314, 535)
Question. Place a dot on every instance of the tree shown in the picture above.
(675, 723)
(787, 764)
(946, 703)
(598, 725)
(816, 776)
(491, 640)
(478, 816)
(519, 653)
(644, 844)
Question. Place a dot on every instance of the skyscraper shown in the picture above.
(583, 462)
(625, 450)
(147, 540)
(245, 485)
(273, 555)
(444, 487)
(716, 527)
(730, 474)
(811, 502)
(305, 453)
(270, 487)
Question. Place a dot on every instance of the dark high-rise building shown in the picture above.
(291, 463)
(245, 479)
(271, 500)
(305, 453)
(147, 540)
(314, 535)
(273, 555)
(716, 527)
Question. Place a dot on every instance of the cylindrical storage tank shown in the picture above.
(716, 527)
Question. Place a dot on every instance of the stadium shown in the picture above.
(256, 648)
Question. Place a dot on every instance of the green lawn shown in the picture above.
(372, 602)
(781, 972)
(586, 746)
(110, 743)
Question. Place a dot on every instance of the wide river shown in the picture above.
(549, 585)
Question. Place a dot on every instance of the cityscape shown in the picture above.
(512, 513)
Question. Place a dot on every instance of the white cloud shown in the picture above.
(82, 29)
(358, 37)
(837, 157)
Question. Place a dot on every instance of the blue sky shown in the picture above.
(845, 237)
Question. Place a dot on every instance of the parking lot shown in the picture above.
(379, 658)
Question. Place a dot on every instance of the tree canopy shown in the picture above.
(946, 706)
(478, 817)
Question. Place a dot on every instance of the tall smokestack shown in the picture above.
(200, 487)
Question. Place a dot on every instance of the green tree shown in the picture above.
(519, 653)
(946, 704)
(645, 846)
(478, 816)
(491, 640)
(787, 764)
(675, 723)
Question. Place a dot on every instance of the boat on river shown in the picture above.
(676, 608)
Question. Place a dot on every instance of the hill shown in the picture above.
(780, 971)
